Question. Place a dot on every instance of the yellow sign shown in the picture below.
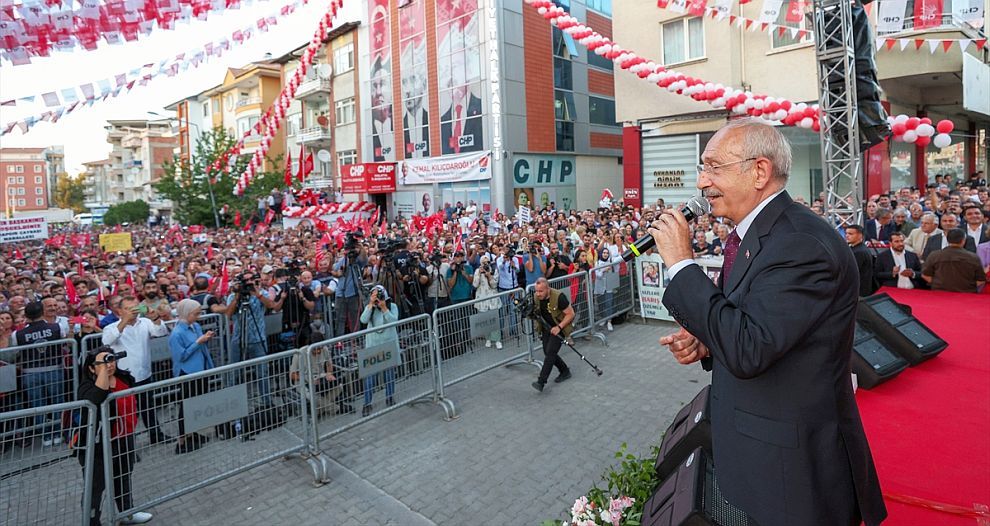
(116, 242)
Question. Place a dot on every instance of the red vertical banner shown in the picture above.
(795, 11)
(927, 13)
(878, 169)
(382, 135)
(632, 159)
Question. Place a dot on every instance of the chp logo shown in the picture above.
(483, 164)
(357, 170)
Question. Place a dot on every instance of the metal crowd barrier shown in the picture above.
(463, 331)
(612, 291)
(37, 375)
(44, 484)
(360, 376)
(576, 287)
(229, 419)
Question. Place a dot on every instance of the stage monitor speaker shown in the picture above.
(690, 497)
(872, 361)
(690, 429)
(899, 329)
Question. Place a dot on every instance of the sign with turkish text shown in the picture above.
(377, 358)
(116, 242)
(371, 178)
(529, 170)
(446, 169)
(212, 409)
(20, 229)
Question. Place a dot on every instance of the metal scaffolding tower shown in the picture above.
(841, 162)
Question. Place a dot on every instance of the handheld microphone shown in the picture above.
(696, 207)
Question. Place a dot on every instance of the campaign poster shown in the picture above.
(459, 76)
(412, 67)
(382, 136)
(651, 276)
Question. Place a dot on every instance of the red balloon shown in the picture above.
(898, 128)
(926, 120)
(912, 123)
(809, 112)
(922, 141)
(945, 126)
(816, 126)
(772, 107)
(785, 104)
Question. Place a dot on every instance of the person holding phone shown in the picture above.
(190, 354)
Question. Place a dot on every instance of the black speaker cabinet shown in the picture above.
(691, 428)
(872, 361)
(690, 497)
(899, 329)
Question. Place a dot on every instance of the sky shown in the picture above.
(82, 133)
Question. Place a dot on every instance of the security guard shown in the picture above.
(557, 314)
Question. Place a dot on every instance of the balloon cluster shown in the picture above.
(920, 131)
(737, 101)
(271, 121)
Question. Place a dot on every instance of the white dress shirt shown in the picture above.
(903, 282)
(975, 234)
(740, 231)
(134, 340)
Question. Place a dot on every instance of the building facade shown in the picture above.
(55, 158)
(193, 116)
(491, 85)
(665, 133)
(97, 190)
(24, 179)
(138, 150)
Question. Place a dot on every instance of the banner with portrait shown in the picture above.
(652, 279)
(459, 76)
(380, 36)
(447, 169)
(413, 74)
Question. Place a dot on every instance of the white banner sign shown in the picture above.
(524, 215)
(890, 18)
(652, 277)
(447, 169)
(23, 229)
(770, 11)
(723, 7)
(970, 11)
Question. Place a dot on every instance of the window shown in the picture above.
(562, 73)
(22, 202)
(794, 11)
(343, 58)
(10, 168)
(563, 106)
(563, 44)
(11, 179)
(20, 170)
(346, 157)
(39, 191)
(37, 179)
(599, 61)
(37, 168)
(229, 101)
(39, 202)
(565, 136)
(206, 109)
(601, 111)
(20, 191)
(216, 104)
(293, 123)
(245, 124)
(602, 6)
(20, 179)
(344, 111)
(683, 40)
(12, 191)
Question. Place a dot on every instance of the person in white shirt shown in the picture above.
(898, 267)
(918, 237)
(131, 334)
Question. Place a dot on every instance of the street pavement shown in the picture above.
(514, 456)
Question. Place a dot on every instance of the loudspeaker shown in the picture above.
(898, 328)
(690, 497)
(872, 361)
(691, 429)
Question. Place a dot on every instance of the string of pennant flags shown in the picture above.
(934, 44)
(65, 101)
(36, 28)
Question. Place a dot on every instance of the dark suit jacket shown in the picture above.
(864, 264)
(472, 128)
(935, 244)
(984, 234)
(425, 133)
(870, 231)
(884, 268)
(787, 437)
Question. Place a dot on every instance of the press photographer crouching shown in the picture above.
(555, 311)
(98, 377)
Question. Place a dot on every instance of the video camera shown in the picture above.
(352, 244)
(112, 357)
(241, 286)
(526, 305)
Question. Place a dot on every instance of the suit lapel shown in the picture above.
(750, 246)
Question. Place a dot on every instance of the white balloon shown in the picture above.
(925, 130)
(806, 122)
(758, 104)
(653, 78)
(801, 106)
(779, 116)
(942, 140)
(910, 136)
(901, 118)
(890, 119)
(719, 102)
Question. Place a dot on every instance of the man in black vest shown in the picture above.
(41, 366)
(556, 312)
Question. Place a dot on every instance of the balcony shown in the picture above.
(316, 134)
(247, 104)
(313, 88)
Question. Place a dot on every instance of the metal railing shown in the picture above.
(612, 291)
(38, 375)
(44, 484)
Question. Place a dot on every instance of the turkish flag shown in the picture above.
(305, 168)
(927, 13)
(288, 170)
(70, 291)
(795, 11)
(269, 216)
(237, 218)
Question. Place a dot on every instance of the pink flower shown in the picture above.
(580, 506)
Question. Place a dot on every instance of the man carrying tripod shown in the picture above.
(247, 307)
(556, 314)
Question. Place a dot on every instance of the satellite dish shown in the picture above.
(323, 156)
(322, 120)
(324, 71)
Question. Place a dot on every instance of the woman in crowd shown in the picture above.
(98, 378)
(190, 354)
(89, 325)
(605, 281)
(6, 329)
(485, 286)
(380, 311)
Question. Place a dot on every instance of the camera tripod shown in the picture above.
(543, 324)
(389, 277)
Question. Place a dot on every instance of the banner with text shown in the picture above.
(652, 277)
(371, 178)
(23, 229)
(447, 169)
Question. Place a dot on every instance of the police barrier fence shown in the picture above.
(37, 375)
(217, 423)
(480, 335)
(611, 290)
(43, 484)
(576, 288)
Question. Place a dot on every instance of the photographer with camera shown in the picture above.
(131, 335)
(436, 289)
(486, 286)
(552, 315)
(296, 300)
(348, 271)
(379, 311)
(246, 305)
(459, 277)
(534, 262)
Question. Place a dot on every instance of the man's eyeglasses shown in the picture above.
(713, 168)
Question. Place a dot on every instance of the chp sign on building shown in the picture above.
(367, 178)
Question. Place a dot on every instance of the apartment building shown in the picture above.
(24, 179)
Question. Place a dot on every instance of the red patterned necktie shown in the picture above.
(729, 255)
(457, 129)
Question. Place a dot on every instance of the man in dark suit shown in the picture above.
(460, 118)
(879, 229)
(865, 260)
(777, 334)
(938, 241)
(974, 226)
(898, 267)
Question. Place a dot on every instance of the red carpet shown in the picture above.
(929, 428)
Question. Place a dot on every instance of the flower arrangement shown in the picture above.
(585, 513)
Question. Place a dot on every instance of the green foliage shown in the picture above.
(69, 192)
(127, 212)
(188, 187)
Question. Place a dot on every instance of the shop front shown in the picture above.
(540, 179)
(374, 180)
(426, 185)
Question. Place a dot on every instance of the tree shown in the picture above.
(69, 192)
(188, 187)
(127, 212)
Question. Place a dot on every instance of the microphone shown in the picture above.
(696, 207)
